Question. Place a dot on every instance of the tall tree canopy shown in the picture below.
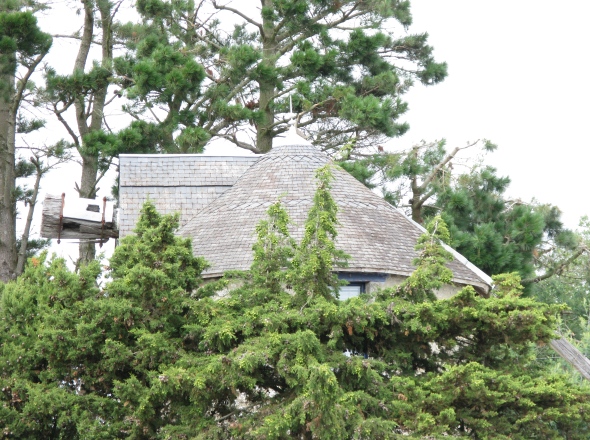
(346, 65)
(499, 234)
(22, 48)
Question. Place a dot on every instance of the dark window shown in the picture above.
(351, 290)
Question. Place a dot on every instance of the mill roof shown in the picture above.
(184, 183)
(377, 236)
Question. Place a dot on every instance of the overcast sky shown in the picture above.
(517, 76)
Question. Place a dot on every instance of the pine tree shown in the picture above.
(501, 235)
(335, 59)
(22, 46)
(438, 368)
(85, 90)
(93, 360)
(41, 161)
(317, 257)
(566, 282)
(273, 251)
(431, 273)
(495, 233)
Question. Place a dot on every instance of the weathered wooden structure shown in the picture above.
(76, 218)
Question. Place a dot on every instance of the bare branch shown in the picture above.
(66, 125)
(153, 114)
(22, 253)
(111, 100)
(445, 161)
(104, 120)
(75, 37)
(22, 84)
(235, 11)
(232, 138)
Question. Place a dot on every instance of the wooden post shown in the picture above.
(572, 355)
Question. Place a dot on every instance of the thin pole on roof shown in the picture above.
(294, 119)
(293, 116)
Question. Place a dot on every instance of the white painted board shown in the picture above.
(87, 209)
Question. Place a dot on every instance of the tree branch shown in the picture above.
(440, 165)
(22, 84)
(425, 197)
(235, 11)
(556, 270)
(74, 37)
(66, 125)
(232, 138)
(306, 35)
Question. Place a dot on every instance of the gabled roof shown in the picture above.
(183, 183)
(378, 237)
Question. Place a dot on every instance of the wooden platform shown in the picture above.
(76, 218)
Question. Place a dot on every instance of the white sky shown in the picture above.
(517, 76)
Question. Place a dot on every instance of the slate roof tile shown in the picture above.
(174, 183)
(378, 237)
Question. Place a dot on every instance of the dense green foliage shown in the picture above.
(499, 234)
(495, 234)
(20, 37)
(317, 257)
(346, 65)
(22, 48)
(150, 355)
(79, 361)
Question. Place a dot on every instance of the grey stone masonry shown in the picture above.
(183, 183)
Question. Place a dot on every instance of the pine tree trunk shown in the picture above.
(416, 202)
(267, 87)
(87, 250)
(89, 179)
(7, 177)
(24, 242)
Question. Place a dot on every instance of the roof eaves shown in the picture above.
(405, 273)
(487, 280)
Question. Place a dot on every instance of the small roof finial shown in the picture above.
(293, 117)
(293, 136)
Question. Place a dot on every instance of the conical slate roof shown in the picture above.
(378, 237)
